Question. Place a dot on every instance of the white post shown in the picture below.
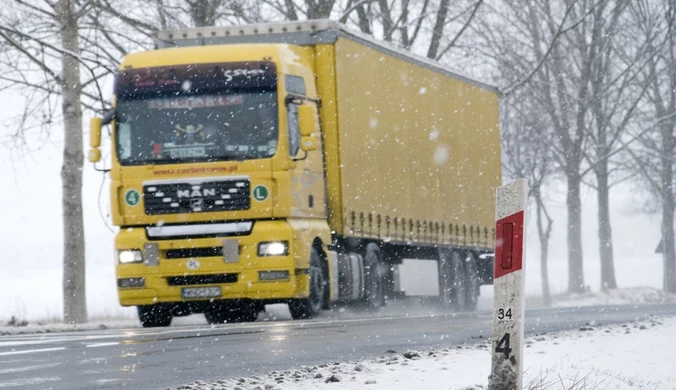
(509, 285)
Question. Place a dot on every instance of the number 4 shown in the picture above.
(503, 346)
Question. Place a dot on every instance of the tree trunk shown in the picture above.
(605, 230)
(388, 24)
(291, 13)
(575, 270)
(668, 250)
(544, 233)
(74, 294)
(203, 12)
(319, 9)
(438, 31)
(363, 18)
(364, 22)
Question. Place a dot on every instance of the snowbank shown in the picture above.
(15, 326)
(626, 296)
(627, 356)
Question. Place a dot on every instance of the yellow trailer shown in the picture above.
(296, 163)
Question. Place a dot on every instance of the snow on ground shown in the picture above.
(15, 326)
(626, 296)
(629, 356)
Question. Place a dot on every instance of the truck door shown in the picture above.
(307, 176)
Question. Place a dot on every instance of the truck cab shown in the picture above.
(217, 181)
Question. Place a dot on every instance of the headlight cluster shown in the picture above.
(129, 256)
(266, 276)
(268, 248)
(273, 248)
(131, 282)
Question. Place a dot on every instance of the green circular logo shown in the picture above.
(260, 193)
(132, 197)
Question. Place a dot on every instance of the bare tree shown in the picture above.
(542, 44)
(364, 17)
(274, 10)
(144, 17)
(47, 58)
(655, 155)
(615, 93)
(527, 153)
(437, 27)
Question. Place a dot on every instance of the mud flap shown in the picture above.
(486, 262)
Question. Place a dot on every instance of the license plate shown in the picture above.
(201, 292)
(197, 151)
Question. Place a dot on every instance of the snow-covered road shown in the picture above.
(165, 357)
(636, 355)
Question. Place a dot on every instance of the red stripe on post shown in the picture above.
(508, 245)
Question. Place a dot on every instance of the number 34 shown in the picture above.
(502, 314)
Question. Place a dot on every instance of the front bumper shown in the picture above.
(197, 266)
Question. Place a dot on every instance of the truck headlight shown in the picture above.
(266, 276)
(273, 248)
(131, 282)
(129, 256)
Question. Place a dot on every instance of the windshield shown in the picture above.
(235, 125)
(196, 113)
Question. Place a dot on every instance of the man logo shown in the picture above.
(196, 192)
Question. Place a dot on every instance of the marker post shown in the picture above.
(509, 285)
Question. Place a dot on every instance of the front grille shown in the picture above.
(201, 279)
(193, 252)
(174, 198)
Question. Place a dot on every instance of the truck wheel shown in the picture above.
(388, 284)
(458, 286)
(311, 306)
(445, 279)
(452, 291)
(153, 316)
(373, 279)
(472, 281)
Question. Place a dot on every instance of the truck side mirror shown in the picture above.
(308, 144)
(95, 139)
(306, 120)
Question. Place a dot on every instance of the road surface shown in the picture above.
(164, 358)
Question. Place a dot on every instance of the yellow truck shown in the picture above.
(295, 163)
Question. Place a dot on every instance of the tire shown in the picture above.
(472, 281)
(374, 298)
(153, 316)
(309, 307)
(452, 287)
(445, 279)
(388, 284)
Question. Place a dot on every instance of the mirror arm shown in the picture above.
(301, 158)
(299, 99)
(104, 170)
(108, 117)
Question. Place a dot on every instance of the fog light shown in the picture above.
(273, 248)
(131, 282)
(129, 256)
(273, 275)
